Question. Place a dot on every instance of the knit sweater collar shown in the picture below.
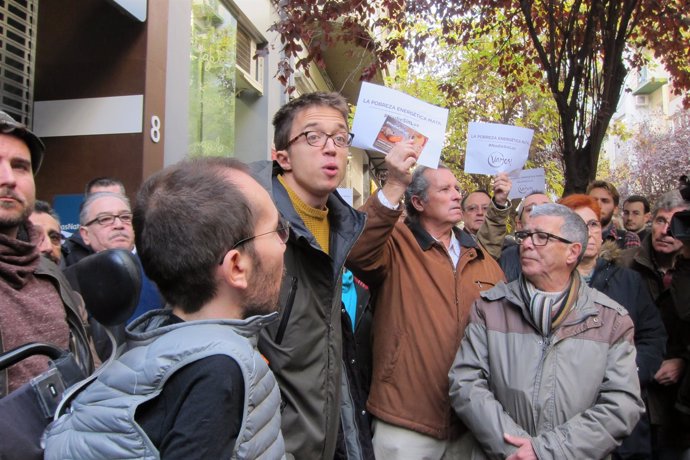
(19, 257)
(302, 208)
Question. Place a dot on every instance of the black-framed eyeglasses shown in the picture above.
(539, 238)
(319, 138)
(109, 219)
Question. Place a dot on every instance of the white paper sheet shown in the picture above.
(493, 148)
(527, 181)
(385, 116)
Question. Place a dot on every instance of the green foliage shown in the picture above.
(580, 50)
(468, 80)
(212, 83)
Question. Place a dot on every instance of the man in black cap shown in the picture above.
(36, 302)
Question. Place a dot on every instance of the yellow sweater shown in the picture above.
(316, 220)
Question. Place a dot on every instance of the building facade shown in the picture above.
(123, 88)
(647, 101)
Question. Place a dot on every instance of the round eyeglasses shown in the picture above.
(341, 139)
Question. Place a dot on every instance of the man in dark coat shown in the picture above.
(626, 287)
(664, 264)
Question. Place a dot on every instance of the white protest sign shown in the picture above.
(493, 148)
(385, 116)
(527, 181)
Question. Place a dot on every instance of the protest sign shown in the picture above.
(385, 116)
(493, 148)
(527, 181)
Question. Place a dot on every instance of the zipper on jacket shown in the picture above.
(483, 285)
(286, 311)
(545, 342)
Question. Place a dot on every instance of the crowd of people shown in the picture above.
(276, 321)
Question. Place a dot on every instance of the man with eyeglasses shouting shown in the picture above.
(105, 222)
(663, 261)
(304, 348)
(547, 365)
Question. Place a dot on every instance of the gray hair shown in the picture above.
(670, 200)
(573, 228)
(419, 186)
(84, 210)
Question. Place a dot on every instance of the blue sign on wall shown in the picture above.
(67, 207)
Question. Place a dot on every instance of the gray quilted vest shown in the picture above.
(101, 422)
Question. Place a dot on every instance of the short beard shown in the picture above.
(11, 223)
(605, 223)
(262, 299)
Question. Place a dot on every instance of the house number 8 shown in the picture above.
(155, 129)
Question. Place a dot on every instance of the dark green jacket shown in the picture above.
(304, 348)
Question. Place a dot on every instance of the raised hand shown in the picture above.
(400, 161)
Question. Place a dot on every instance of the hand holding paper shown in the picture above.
(400, 160)
(501, 186)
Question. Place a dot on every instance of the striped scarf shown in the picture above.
(549, 309)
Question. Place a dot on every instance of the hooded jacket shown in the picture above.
(304, 348)
(574, 393)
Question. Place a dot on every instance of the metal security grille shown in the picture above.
(17, 46)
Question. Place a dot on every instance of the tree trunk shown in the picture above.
(580, 169)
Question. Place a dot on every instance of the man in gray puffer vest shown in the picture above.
(189, 382)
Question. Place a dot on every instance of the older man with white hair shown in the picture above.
(547, 365)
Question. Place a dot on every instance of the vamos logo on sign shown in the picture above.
(523, 189)
(498, 160)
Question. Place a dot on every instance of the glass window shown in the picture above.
(212, 91)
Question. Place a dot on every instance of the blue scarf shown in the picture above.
(349, 296)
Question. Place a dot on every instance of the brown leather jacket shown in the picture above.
(421, 308)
